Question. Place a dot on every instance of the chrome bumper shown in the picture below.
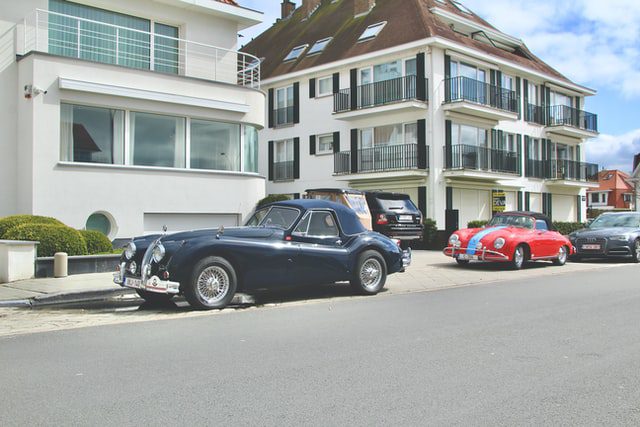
(480, 254)
(151, 284)
(406, 258)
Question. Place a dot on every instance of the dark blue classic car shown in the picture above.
(292, 243)
(612, 234)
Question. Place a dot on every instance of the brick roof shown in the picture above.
(411, 22)
(228, 2)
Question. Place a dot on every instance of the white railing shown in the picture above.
(70, 36)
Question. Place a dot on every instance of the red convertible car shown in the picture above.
(513, 237)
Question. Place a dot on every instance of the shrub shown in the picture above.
(8, 222)
(271, 198)
(567, 227)
(97, 242)
(430, 230)
(52, 238)
(478, 223)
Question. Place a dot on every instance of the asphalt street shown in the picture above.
(560, 349)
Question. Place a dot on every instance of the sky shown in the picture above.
(595, 43)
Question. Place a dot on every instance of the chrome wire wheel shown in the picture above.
(518, 257)
(213, 284)
(371, 273)
(563, 254)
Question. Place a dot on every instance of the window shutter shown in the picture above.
(578, 103)
(519, 207)
(518, 100)
(494, 139)
(270, 112)
(354, 150)
(336, 82)
(421, 82)
(422, 201)
(525, 87)
(312, 145)
(447, 144)
(296, 102)
(447, 67)
(492, 77)
(422, 145)
(270, 145)
(578, 154)
(296, 158)
(449, 198)
(527, 201)
(519, 153)
(312, 88)
(336, 142)
(579, 208)
(353, 88)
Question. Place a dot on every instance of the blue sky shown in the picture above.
(595, 43)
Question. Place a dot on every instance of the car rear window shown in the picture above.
(397, 205)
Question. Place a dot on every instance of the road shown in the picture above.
(561, 349)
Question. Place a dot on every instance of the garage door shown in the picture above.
(563, 207)
(154, 222)
(535, 202)
(471, 205)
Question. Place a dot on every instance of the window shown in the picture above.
(595, 197)
(460, 69)
(389, 135)
(468, 135)
(296, 52)
(215, 145)
(626, 198)
(110, 37)
(319, 46)
(532, 91)
(91, 134)
(317, 224)
(372, 31)
(325, 144)
(325, 86)
(508, 82)
(461, 7)
(284, 105)
(509, 143)
(99, 222)
(283, 160)
(157, 140)
(533, 151)
(560, 99)
(250, 149)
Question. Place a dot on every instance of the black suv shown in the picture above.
(395, 215)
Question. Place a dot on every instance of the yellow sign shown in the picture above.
(499, 201)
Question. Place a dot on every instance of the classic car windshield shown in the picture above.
(622, 220)
(521, 221)
(274, 216)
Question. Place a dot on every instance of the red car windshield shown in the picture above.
(520, 221)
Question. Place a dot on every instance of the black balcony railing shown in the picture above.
(537, 169)
(534, 114)
(379, 159)
(461, 156)
(380, 93)
(562, 115)
(574, 171)
(283, 171)
(283, 116)
(466, 89)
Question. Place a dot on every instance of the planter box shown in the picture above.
(17, 260)
(79, 265)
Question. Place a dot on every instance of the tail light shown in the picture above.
(399, 243)
(382, 219)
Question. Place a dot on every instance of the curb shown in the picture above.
(68, 298)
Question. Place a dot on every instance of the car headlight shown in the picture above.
(130, 250)
(622, 238)
(133, 267)
(499, 243)
(453, 239)
(158, 252)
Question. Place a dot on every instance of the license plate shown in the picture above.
(465, 257)
(133, 283)
(405, 218)
(591, 247)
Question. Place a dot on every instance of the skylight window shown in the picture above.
(296, 52)
(372, 31)
(461, 7)
(319, 46)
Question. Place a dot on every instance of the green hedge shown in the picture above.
(52, 238)
(271, 199)
(430, 230)
(478, 223)
(97, 243)
(9, 222)
(567, 228)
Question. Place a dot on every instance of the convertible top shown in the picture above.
(535, 215)
(348, 219)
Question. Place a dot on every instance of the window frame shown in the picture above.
(316, 51)
(373, 34)
(319, 151)
(320, 93)
(291, 56)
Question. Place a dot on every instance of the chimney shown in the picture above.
(287, 7)
(309, 6)
(362, 7)
(636, 161)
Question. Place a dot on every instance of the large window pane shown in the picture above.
(157, 140)
(250, 149)
(92, 135)
(166, 49)
(215, 145)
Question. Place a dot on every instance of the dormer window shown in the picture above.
(461, 7)
(372, 31)
(296, 52)
(319, 46)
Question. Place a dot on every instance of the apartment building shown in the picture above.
(615, 191)
(128, 116)
(422, 97)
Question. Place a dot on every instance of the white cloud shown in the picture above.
(615, 151)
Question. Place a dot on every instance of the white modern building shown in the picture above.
(126, 116)
(422, 97)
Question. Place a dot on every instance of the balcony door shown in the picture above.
(284, 105)
(563, 165)
(383, 83)
(283, 160)
(468, 82)
(469, 147)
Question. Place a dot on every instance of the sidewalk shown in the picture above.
(80, 287)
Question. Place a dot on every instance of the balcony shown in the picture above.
(471, 161)
(386, 158)
(562, 172)
(69, 36)
(477, 98)
(569, 121)
(403, 93)
(283, 171)
(283, 116)
(540, 169)
(534, 114)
